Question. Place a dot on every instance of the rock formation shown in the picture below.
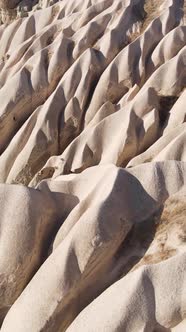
(93, 166)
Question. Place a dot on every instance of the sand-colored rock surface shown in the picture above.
(93, 166)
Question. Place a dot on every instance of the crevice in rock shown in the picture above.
(165, 103)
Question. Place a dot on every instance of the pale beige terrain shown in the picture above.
(93, 166)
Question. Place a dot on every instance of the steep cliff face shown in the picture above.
(93, 166)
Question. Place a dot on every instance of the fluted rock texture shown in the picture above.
(93, 166)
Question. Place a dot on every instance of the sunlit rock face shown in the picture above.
(93, 166)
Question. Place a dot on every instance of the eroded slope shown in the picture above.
(92, 123)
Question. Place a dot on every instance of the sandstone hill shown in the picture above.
(93, 166)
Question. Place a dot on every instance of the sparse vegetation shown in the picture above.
(172, 220)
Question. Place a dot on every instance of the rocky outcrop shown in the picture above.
(93, 166)
(14, 9)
